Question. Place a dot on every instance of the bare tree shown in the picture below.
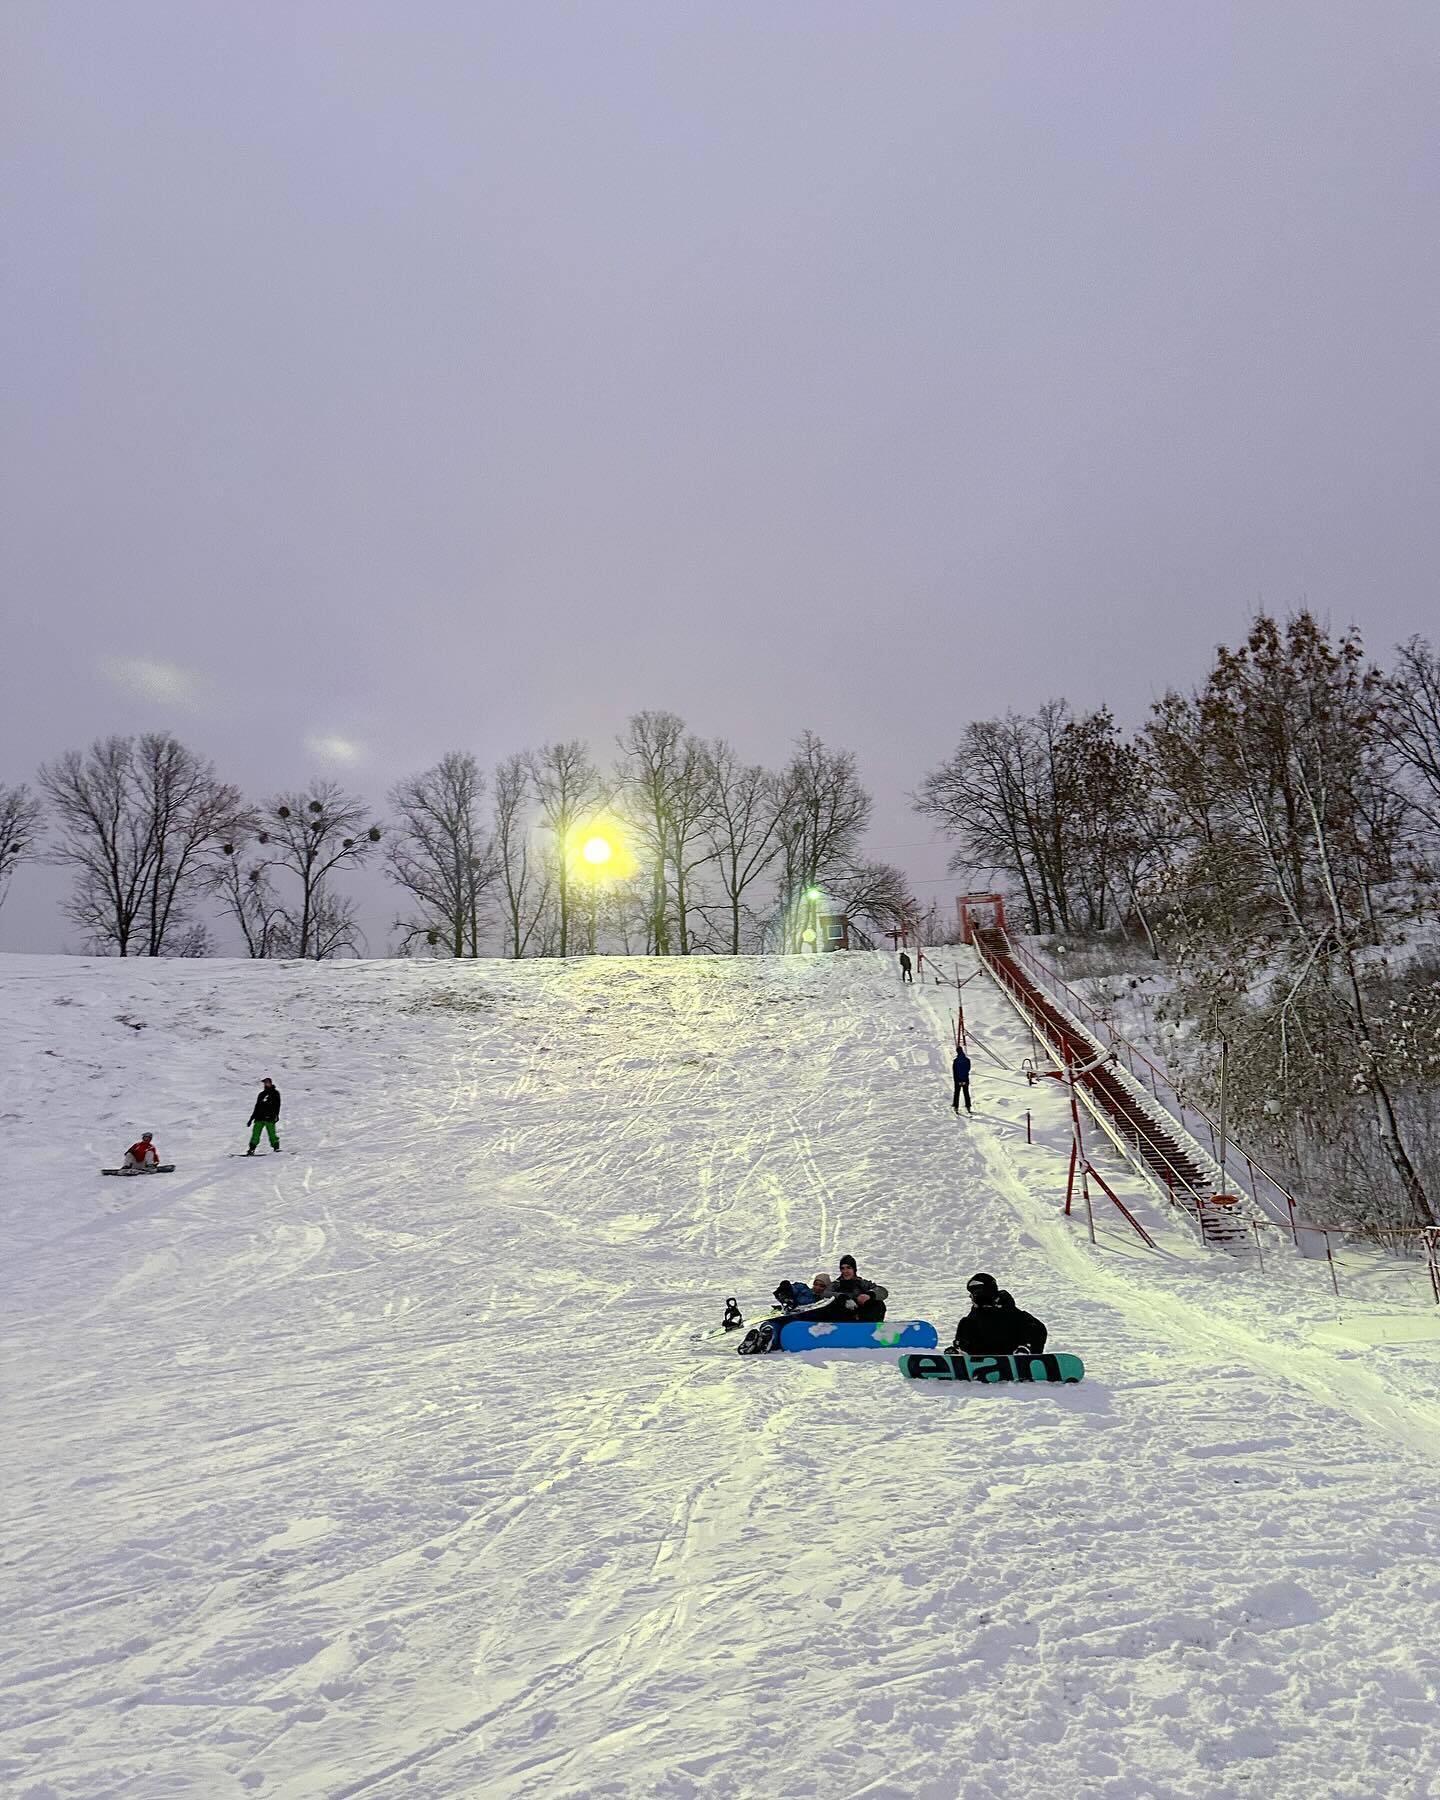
(442, 855)
(649, 750)
(690, 808)
(1410, 719)
(1052, 802)
(879, 895)
(666, 776)
(248, 895)
(311, 836)
(525, 876)
(569, 789)
(137, 817)
(21, 820)
(823, 812)
(741, 828)
(334, 927)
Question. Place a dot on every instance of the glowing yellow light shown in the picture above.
(597, 850)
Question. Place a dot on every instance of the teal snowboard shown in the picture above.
(990, 1370)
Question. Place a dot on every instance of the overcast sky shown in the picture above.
(388, 378)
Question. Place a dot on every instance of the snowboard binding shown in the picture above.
(733, 1318)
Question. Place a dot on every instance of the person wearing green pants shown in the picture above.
(264, 1115)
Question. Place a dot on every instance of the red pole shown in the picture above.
(1119, 1204)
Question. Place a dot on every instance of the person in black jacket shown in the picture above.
(960, 1069)
(995, 1325)
(264, 1114)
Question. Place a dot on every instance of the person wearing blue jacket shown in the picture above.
(960, 1069)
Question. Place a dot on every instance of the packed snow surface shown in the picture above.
(390, 1465)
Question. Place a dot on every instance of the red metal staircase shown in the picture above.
(1149, 1139)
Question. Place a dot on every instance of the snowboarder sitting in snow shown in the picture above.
(264, 1114)
(995, 1325)
(850, 1296)
(141, 1157)
(791, 1295)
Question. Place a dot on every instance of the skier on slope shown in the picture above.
(264, 1114)
(907, 971)
(960, 1069)
(995, 1325)
(142, 1157)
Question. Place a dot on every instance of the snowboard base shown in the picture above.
(990, 1370)
(837, 1334)
(159, 1169)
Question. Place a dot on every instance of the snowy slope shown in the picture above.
(388, 1466)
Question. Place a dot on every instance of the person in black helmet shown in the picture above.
(995, 1325)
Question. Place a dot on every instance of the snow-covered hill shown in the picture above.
(388, 1465)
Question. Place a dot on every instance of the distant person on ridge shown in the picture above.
(264, 1114)
(907, 973)
(995, 1325)
(142, 1156)
(960, 1069)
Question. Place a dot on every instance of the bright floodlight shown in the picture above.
(597, 850)
(814, 894)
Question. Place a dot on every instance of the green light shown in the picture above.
(814, 894)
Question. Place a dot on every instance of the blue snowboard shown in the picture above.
(847, 1334)
(986, 1371)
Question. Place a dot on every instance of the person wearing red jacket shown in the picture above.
(142, 1156)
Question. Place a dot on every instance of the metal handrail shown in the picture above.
(1175, 1178)
(1261, 1180)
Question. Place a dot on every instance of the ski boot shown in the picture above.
(759, 1340)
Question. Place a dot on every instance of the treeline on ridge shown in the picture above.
(712, 851)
